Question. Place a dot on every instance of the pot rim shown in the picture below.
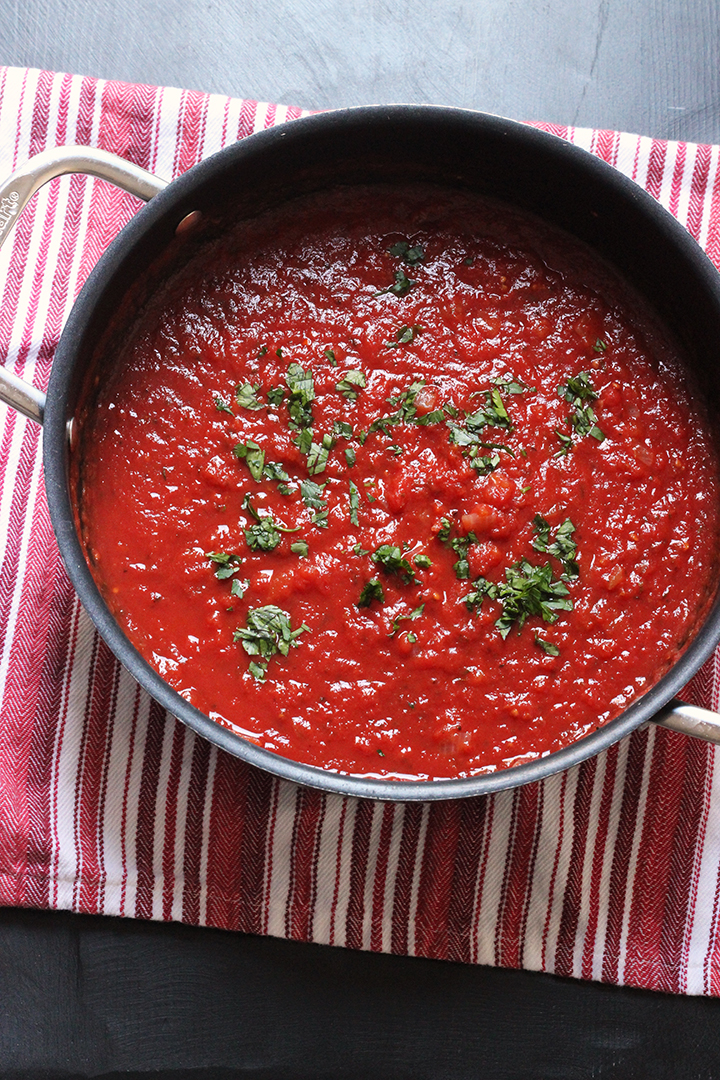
(174, 203)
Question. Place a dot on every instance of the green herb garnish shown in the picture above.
(354, 503)
(563, 547)
(312, 497)
(351, 382)
(579, 391)
(222, 406)
(389, 558)
(372, 591)
(268, 631)
(423, 562)
(527, 590)
(350, 456)
(410, 255)
(330, 357)
(226, 563)
(253, 457)
(302, 394)
(404, 336)
(300, 547)
(400, 287)
(246, 396)
(405, 618)
(318, 455)
(547, 646)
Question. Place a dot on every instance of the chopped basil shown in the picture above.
(343, 429)
(460, 545)
(354, 503)
(268, 631)
(566, 444)
(372, 591)
(253, 456)
(600, 346)
(263, 351)
(547, 646)
(351, 382)
(389, 558)
(275, 470)
(275, 395)
(563, 547)
(410, 255)
(226, 563)
(358, 549)
(246, 396)
(312, 497)
(437, 416)
(302, 394)
(578, 391)
(303, 440)
(400, 287)
(262, 535)
(318, 455)
(222, 406)
(404, 336)
(300, 547)
(330, 357)
(350, 456)
(527, 590)
(492, 414)
(239, 588)
(423, 562)
(510, 385)
(405, 618)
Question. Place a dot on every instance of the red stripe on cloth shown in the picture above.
(661, 892)
(92, 781)
(409, 840)
(698, 188)
(171, 813)
(656, 168)
(436, 878)
(237, 847)
(246, 121)
(572, 899)
(522, 850)
(146, 817)
(621, 857)
(194, 830)
(309, 812)
(471, 845)
(358, 873)
(381, 867)
(598, 860)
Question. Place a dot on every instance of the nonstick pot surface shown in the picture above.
(493, 157)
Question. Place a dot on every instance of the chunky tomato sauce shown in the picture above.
(400, 483)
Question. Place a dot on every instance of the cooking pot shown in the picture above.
(519, 165)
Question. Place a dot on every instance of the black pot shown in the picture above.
(524, 167)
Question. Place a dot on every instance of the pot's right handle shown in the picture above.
(16, 192)
(689, 720)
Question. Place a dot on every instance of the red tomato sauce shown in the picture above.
(400, 484)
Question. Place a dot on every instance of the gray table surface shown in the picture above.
(82, 996)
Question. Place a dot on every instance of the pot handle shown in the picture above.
(689, 720)
(16, 192)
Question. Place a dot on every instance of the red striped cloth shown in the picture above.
(609, 871)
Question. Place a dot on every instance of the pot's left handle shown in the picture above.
(16, 192)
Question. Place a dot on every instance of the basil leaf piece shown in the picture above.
(253, 456)
(222, 406)
(300, 547)
(351, 382)
(410, 255)
(268, 631)
(371, 592)
(226, 563)
(563, 547)
(390, 559)
(400, 287)
(354, 503)
(405, 618)
(246, 396)
(527, 590)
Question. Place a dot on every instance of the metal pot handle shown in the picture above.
(689, 720)
(16, 192)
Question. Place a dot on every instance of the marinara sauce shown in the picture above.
(400, 483)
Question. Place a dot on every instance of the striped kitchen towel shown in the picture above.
(609, 871)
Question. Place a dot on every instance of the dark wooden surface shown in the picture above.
(82, 996)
